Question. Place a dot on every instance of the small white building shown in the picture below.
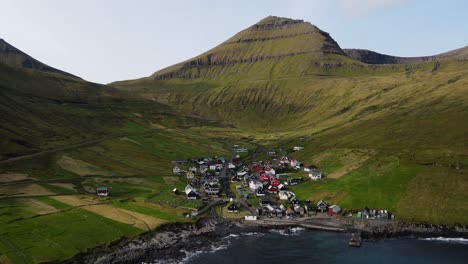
(176, 170)
(270, 208)
(315, 175)
(231, 166)
(189, 189)
(251, 217)
(297, 148)
(255, 185)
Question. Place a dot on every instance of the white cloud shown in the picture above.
(363, 7)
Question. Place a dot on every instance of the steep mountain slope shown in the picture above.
(14, 57)
(43, 110)
(372, 57)
(269, 42)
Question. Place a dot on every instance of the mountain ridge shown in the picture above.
(373, 57)
(14, 57)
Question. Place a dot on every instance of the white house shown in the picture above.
(315, 175)
(271, 172)
(189, 189)
(293, 162)
(231, 166)
(297, 148)
(241, 173)
(286, 195)
(284, 160)
(298, 209)
(255, 185)
(176, 170)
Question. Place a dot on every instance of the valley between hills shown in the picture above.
(388, 132)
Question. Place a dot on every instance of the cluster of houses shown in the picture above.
(265, 180)
(202, 175)
(367, 213)
(198, 165)
(272, 208)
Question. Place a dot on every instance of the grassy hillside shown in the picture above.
(43, 111)
(383, 133)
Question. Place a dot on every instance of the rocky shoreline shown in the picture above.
(171, 243)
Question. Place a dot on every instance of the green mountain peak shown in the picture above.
(269, 40)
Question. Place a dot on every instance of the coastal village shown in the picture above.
(259, 189)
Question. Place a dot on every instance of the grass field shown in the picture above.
(54, 194)
(29, 238)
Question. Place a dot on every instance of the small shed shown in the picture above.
(176, 170)
(334, 210)
(102, 191)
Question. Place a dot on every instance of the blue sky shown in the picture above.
(109, 40)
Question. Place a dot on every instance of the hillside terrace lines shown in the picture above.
(138, 220)
(182, 72)
(261, 39)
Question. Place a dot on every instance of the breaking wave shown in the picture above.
(288, 231)
(252, 234)
(452, 240)
(191, 254)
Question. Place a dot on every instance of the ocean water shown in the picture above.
(301, 246)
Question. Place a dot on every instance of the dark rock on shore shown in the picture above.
(400, 229)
